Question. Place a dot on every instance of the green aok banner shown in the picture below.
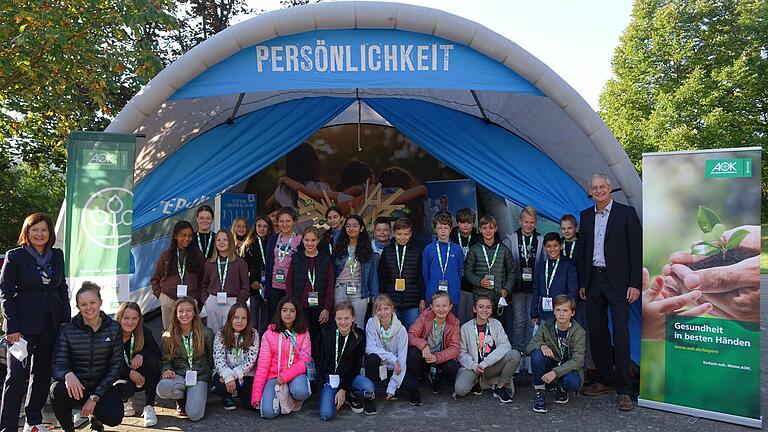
(701, 298)
(99, 212)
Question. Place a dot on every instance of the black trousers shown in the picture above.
(36, 367)
(611, 356)
(416, 366)
(151, 373)
(243, 390)
(109, 410)
(372, 363)
(275, 295)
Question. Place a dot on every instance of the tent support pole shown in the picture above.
(231, 118)
(482, 111)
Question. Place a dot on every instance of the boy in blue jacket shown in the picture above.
(554, 275)
(442, 262)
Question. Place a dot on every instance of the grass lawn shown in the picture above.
(764, 250)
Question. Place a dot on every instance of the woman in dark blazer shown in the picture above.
(35, 302)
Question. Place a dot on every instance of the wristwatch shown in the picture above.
(94, 398)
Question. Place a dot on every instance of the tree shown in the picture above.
(691, 75)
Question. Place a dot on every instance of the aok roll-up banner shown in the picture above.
(99, 213)
(701, 299)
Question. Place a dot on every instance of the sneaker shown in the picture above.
(77, 419)
(415, 399)
(180, 409)
(369, 407)
(150, 418)
(35, 428)
(501, 394)
(437, 387)
(561, 396)
(539, 403)
(356, 405)
(229, 403)
(96, 424)
(128, 409)
(477, 390)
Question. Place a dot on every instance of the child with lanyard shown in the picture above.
(435, 342)
(489, 267)
(187, 350)
(310, 280)
(569, 228)
(557, 354)
(239, 232)
(254, 253)
(465, 235)
(486, 357)
(386, 348)
(141, 370)
(382, 234)
(400, 274)
(282, 366)
(280, 249)
(356, 278)
(342, 348)
(204, 237)
(225, 280)
(442, 262)
(554, 276)
(235, 349)
(334, 219)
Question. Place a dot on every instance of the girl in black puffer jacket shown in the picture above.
(86, 361)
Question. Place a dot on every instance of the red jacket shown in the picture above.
(419, 333)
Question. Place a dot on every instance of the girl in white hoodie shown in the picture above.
(386, 349)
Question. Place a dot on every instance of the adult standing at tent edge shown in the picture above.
(35, 303)
(610, 274)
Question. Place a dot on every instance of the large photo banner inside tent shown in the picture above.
(99, 213)
(701, 306)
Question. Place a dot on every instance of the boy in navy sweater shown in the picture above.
(554, 275)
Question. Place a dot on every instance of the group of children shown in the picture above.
(286, 311)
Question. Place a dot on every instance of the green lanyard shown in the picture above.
(443, 268)
(181, 267)
(438, 336)
(469, 240)
(385, 335)
(129, 358)
(208, 247)
(292, 338)
(338, 355)
(563, 348)
(237, 351)
(261, 249)
(490, 266)
(547, 278)
(400, 260)
(187, 341)
(525, 247)
(573, 246)
(283, 249)
(311, 277)
(223, 278)
(481, 344)
(352, 261)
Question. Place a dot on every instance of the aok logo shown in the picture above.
(725, 168)
(103, 158)
(728, 168)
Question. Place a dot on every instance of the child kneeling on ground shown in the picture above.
(557, 354)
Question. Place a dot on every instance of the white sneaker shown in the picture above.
(35, 428)
(77, 419)
(150, 419)
(128, 409)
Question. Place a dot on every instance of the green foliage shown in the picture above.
(27, 190)
(691, 75)
(712, 235)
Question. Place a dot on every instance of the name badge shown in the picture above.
(181, 291)
(45, 280)
(491, 281)
(280, 276)
(527, 274)
(312, 299)
(546, 304)
(351, 289)
(334, 381)
(465, 249)
(383, 372)
(399, 284)
(221, 298)
(190, 378)
(442, 285)
(263, 277)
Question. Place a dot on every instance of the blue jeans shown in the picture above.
(362, 388)
(541, 365)
(299, 388)
(407, 316)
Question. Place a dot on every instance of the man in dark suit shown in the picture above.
(610, 273)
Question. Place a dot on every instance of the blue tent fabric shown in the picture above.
(494, 157)
(229, 154)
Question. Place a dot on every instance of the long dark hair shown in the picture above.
(363, 250)
(193, 261)
(250, 239)
(299, 325)
(303, 164)
(354, 173)
(228, 333)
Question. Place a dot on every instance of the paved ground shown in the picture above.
(474, 413)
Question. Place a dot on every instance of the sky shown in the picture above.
(576, 38)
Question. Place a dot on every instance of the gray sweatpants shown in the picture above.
(196, 396)
(522, 328)
(504, 369)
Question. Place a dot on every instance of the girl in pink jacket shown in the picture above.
(285, 349)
